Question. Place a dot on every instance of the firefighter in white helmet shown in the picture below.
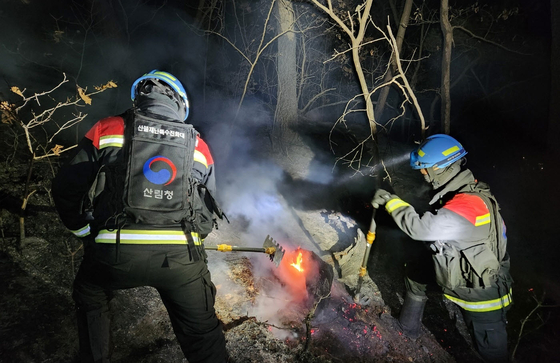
(467, 237)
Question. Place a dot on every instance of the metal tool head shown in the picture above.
(274, 250)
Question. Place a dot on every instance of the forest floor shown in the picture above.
(264, 320)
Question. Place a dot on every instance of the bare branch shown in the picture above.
(489, 41)
(527, 318)
(356, 43)
(317, 96)
(46, 116)
(405, 80)
(232, 45)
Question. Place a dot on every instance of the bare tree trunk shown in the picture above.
(394, 10)
(297, 156)
(287, 105)
(554, 117)
(381, 101)
(447, 31)
(200, 14)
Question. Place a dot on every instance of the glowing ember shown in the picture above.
(297, 264)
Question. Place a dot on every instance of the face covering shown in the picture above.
(440, 177)
(159, 100)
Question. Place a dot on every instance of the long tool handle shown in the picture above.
(369, 238)
(227, 248)
(270, 247)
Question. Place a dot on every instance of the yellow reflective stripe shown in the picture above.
(483, 306)
(421, 153)
(128, 236)
(395, 204)
(198, 156)
(166, 75)
(482, 220)
(111, 140)
(82, 232)
(450, 150)
(172, 83)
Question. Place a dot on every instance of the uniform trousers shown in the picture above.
(487, 329)
(184, 285)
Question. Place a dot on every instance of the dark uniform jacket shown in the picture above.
(100, 146)
(468, 240)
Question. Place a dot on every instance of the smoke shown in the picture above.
(95, 45)
(283, 298)
(320, 173)
(396, 160)
(248, 183)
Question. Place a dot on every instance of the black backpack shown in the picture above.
(150, 181)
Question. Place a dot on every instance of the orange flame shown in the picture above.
(297, 265)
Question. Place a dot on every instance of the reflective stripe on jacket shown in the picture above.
(100, 146)
(141, 236)
(483, 306)
(466, 267)
(82, 232)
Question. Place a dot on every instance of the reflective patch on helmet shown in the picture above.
(167, 75)
(450, 150)
(421, 153)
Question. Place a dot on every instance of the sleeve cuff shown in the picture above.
(394, 204)
(82, 232)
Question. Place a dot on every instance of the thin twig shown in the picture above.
(489, 41)
(526, 319)
(307, 322)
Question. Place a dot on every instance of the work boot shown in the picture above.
(410, 319)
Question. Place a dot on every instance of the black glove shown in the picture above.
(381, 197)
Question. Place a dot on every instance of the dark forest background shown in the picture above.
(276, 80)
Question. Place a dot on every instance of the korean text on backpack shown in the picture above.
(150, 181)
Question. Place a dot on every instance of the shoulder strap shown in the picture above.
(483, 191)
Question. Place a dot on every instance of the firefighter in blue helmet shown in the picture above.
(121, 252)
(468, 242)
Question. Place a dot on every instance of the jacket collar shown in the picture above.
(159, 106)
(462, 179)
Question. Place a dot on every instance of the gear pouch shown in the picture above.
(483, 262)
(448, 267)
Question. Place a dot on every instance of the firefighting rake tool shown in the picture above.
(270, 247)
(363, 270)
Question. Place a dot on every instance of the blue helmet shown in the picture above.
(169, 80)
(437, 151)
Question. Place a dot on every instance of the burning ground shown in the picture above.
(301, 311)
(269, 315)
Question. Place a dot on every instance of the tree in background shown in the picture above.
(445, 49)
(35, 119)
(295, 61)
(279, 46)
(554, 118)
(476, 45)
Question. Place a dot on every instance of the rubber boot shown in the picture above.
(410, 319)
